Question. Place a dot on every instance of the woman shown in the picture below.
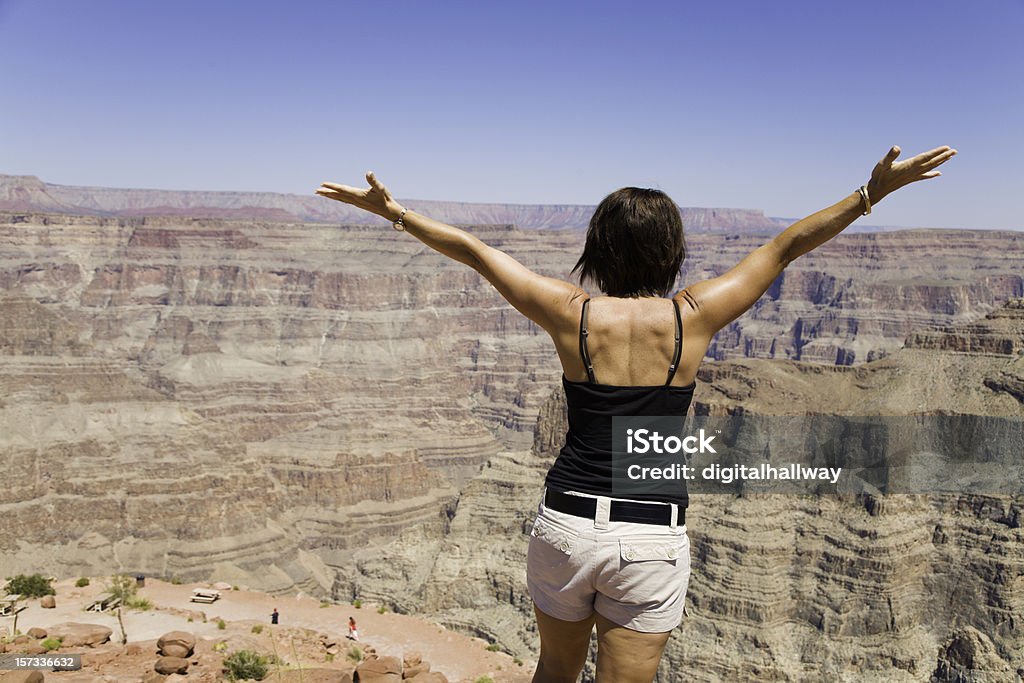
(353, 632)
(595, 559)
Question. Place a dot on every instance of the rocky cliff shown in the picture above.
(854, 587)
(338, 409)
(857, 297)
(29, 193)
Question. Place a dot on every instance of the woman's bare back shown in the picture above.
(631, 341)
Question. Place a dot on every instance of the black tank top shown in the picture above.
(584, 463)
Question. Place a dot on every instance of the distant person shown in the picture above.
(353, 632)
(273, 616)
(626, 359)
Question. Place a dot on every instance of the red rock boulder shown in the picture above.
(380, 670)
(73, 634)
(427, 677)
(176, 644)
(21, 676)
(171, 665)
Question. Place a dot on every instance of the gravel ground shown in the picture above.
(302, 619)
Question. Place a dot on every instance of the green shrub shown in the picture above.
(382, 609)
(493, 647)
(82, 582)
(175, 581)
(324, 603)
(123, 587)
(245, 664)
(34, 586)
(517, 661)
(139, 603)
(484, 679)
(355, 654)
(234, 588)
(220, 647)
(221, 624)
(329, 657)
(357, 603)
(258, 628)
(50, 644)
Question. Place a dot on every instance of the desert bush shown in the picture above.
(50, 644)
(82, 582)
(221, 624)
(245, 664)
(493, 647)
(382, 609)
(34, 586)
(355, 654)
(123, 587)
(357, 603)
(258, 628)
(484, 679)
(139, 603)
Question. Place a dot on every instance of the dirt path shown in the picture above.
(459, 657)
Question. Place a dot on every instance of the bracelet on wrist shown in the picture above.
(399, 224)
(863, 190)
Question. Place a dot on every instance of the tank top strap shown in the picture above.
(584, 353)
(679, 344)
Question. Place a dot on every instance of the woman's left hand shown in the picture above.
(376, 199)
(890, 175)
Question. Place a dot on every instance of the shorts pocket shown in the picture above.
(666, 549)
(554, 535)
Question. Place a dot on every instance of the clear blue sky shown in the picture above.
(783, 106)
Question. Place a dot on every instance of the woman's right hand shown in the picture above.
(890, 175)
(375, 199)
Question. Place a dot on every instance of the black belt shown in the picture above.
(621, 510)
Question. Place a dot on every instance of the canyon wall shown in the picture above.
(338, 409)
(783, 587)
(30, 194)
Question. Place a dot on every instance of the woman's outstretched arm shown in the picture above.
(541, 299)
(721, 300)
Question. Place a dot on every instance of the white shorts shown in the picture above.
(633, 574)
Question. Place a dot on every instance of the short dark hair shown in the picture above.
(635, 245)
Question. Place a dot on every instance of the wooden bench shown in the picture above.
(104, 602)
(9, 605)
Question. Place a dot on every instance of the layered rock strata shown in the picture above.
(829, 587)
(342, 411)
(29, 193)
